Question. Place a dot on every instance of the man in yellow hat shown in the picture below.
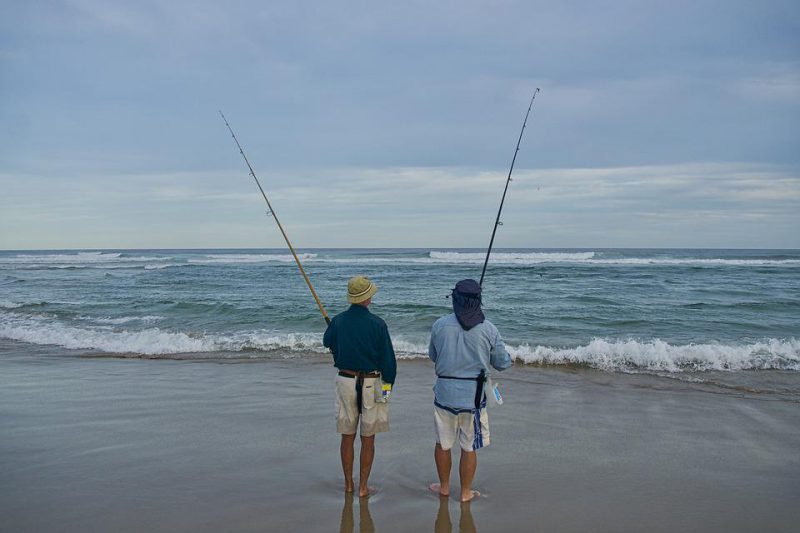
(363, 353)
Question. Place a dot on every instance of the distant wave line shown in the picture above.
(100, 260)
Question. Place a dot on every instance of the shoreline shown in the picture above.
(783, 384)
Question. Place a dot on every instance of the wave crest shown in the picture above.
(37, 329)
(597, 258)
(519, 258)
(214, 259)
(603, 354)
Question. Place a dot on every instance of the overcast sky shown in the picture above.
(383, 124)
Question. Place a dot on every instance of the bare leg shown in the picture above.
(347, 453)
(443, 465)
(367, 455)
(466, 470)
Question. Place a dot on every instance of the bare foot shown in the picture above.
(469, 496)
(348, 487)
(366, 492)
(438, 489)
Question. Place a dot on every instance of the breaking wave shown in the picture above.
(597, 258)
(603, 354)
(37, 329)
(666, 261)
(163, 260)
(119, 260)
(75, 258)
(121, 319)
(159, 266)
(213, 259)
(523, 258)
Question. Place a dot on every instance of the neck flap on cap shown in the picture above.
(467, 303)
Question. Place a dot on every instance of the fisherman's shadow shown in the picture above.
(365, 523)
(443, 523)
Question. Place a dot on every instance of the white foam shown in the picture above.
(653, 355)
(121, 319)
(150, 341)
(163, 265)
(268, 341)
(38, 329)
(666, 261)
(79, 257)
(408, 349)
(592, 258)
(8, 304)
(519, 259)
(516, 258)
(605, 354)
(76, 260)
(213, 259)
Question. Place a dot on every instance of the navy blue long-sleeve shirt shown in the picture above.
(360, 341)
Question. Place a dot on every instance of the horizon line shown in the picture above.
(431, 248)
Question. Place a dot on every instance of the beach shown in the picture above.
(129, 444)
(193, 194)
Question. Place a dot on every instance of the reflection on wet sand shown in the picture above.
(365, 523)
(443, 523)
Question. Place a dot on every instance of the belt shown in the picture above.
(480, 379)
(359, 377)
(354, 374)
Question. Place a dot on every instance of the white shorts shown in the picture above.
(374, 416)
(471, 429)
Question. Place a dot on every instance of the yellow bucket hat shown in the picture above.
(359, 289)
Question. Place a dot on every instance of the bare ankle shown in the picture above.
(469, 495)
(440, 489)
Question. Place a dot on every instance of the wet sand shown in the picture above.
(92, 444)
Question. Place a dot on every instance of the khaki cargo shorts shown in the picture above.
(470, 429)
(374, 416)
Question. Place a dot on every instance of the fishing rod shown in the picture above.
(280, 227)
(508, 180)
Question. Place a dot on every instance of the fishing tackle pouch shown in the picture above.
(382, 391)
(493, 395)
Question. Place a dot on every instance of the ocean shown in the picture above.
(618, 310)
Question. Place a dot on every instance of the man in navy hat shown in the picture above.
(464, 345)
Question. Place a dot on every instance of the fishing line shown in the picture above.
(280, 227)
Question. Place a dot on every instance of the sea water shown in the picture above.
(629, 310)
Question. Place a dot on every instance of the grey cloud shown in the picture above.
(412, 107)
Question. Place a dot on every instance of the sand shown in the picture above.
(109, 444)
